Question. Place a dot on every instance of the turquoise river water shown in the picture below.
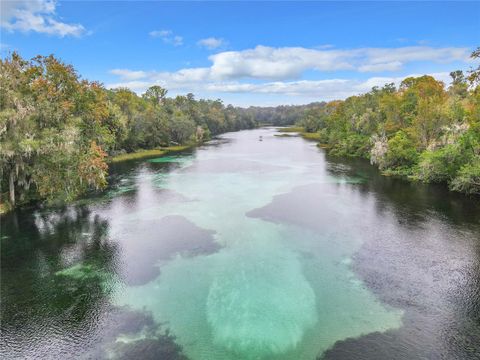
(245, 249)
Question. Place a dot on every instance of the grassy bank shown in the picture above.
(310, 136)
(290, 129)
(285, 135)
(300, 130)
(141, 154)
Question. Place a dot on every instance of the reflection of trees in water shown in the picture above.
(34, 299)
(128, 334)
(409, 201)
(125, 177)
(42, 310)
(427, 263)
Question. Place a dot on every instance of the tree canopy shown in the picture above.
(422, 129)
(56, 129)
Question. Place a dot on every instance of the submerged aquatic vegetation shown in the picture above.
(89, 273)
(260, 303)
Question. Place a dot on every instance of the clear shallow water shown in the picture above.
(245, 249)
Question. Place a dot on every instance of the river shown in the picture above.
(253, 246)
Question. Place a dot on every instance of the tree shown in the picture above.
(181, 128)
(156, 94)
(44, 118)
(474, 73)
(459, 85)
(467, 179)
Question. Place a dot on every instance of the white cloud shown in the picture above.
(267, 63)
(37, 16)
(329, 89)
(278, 72)
(193, 80)
(381, 67)
(177, 40)
(128, 74)
(211, 43)
(160, 33)
(275, 64)
(167, 37)
(285, 63)
(264, 62)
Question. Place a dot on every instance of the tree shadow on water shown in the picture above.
(58, 269)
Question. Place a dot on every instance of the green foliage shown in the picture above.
(141, 154)
(57, 129)
(291, 129)
(439, 165)
(467, 180)
(401, 152)
(182, 128)
(353, 145)
(51, 124)
(311, 136)
(282, 115)
(420, 130)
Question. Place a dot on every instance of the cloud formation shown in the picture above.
(211, 43)
(329, 89)
(36, 16)
(167, 37)
(279, 71)
(264, 62)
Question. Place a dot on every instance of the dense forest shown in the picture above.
(278, 115)
(57, 130)
(421, 130)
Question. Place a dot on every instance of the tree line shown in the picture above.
(421, 130)
(278, 115)
(57, 129)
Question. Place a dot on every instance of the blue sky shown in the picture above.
(247, 53)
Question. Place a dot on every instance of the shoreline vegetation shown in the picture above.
(286, 132)
(143, 154)
(421, 131)
(59, 132)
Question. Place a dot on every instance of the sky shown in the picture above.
(247, 53)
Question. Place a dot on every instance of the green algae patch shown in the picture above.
(83, 272)
(167, 159)
(89, 275)
(78, 271)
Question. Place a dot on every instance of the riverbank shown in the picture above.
(5, 206)
(142, 154)
(300, 130)
(159, 240)
(407, 173)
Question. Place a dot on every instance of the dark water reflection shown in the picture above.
(429, 265)
(419, 252)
